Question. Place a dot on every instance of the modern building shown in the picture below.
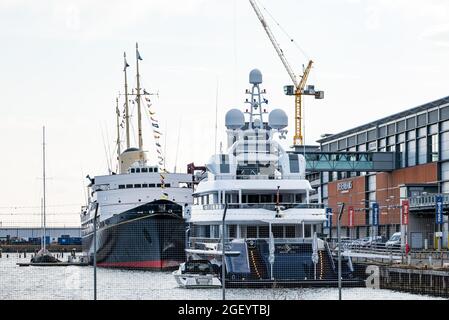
(420, 139)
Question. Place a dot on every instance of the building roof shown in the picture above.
(395, 116)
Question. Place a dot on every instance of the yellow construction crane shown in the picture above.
(298, 87)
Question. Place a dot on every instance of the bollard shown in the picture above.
(25, 254)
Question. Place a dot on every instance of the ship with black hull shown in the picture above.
(138, 212)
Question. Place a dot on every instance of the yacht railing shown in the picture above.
(193, 241)
(266, 206)
(257, 177)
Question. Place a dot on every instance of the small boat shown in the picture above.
(198, 274)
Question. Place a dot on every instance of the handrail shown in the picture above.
(266, 206)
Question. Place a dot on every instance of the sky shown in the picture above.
(61, 65)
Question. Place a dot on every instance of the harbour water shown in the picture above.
(76, 283)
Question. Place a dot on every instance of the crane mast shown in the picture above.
(274, 42)
(298, 87)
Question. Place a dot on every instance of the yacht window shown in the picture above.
(144, 170)
(251, 232)
(232, 229)
(145, 185)
(151, 185)
(138, 185)
(265, 198)
(244, 198)
(290, 231)
(129, 186)
(159, 185)
(155, 170)
(150, 169)
(132, 170)
(307, 231)
(298, 198)
(121, 186)
(264, 232)
(253, 198)
(137, 170)
(278, 231)
(167, 185)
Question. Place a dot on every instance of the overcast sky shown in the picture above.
(61, 66)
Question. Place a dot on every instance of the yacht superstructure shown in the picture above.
(269, 217)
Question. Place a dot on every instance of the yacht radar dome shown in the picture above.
(234, 119)
(277, 119)
(255, 76)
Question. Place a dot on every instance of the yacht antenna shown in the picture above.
(177, 146)
(126, 102)
(139, 114)
(216, 117)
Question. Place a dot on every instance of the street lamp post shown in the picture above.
(342, 205)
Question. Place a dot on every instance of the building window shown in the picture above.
(391, 140)
(361, 138)
(433, 141)
(422, 132)
(411, 135)
(411, 158)
(422, 120)
(444, 113)
(351, 141)
(445, 126)
(372, 146)
(401, 149)
(422, 150)
(401, 137)
(361, 148)
(445, 171)
(445, 146)
(400, 126)
(382, 132)
(391, 129)
(411, 124)
(372, 135)
(433, 116)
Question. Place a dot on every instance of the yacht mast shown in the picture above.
(126, 103)
(139, 114)
(43, 178)
(118, 130)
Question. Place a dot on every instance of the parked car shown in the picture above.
(395, 241)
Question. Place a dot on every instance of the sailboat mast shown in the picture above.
(44, 185)
(139, 114)
(118, 130)
(126, 103)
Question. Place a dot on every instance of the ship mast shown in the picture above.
(139, 114)
(118, 129)
(126, 103)
(44, 189)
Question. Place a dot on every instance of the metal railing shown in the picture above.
(427, 200)
(266, 206)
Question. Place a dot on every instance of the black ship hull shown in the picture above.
(151, 236)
